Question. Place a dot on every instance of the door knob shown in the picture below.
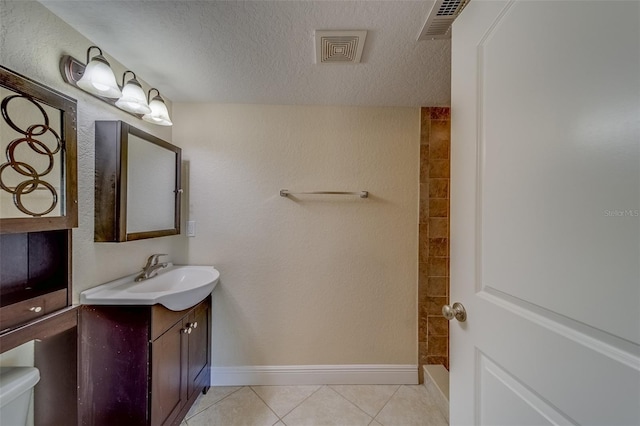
(455, 311)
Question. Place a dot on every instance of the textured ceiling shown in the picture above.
(263, 51)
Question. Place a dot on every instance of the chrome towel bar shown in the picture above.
(361, 194)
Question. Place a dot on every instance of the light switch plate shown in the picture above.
(191, 228)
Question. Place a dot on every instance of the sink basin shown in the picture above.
(176, 287)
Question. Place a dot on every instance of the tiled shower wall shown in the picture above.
(433, 279)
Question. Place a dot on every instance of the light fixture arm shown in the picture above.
(89, 52)
(125, 75)
(149, 94)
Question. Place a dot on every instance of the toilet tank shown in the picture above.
(16, 384)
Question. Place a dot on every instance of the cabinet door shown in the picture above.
(168, 374)
(199, 348)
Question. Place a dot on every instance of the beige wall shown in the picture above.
(32, 41)
(318, 280)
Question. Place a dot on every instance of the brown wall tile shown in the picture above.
(438, 247)
(440, 130)
(424, 203)
(438, 207)
(423, 330)
(438, 228)
(434, 305)
(423, 275)
(438, 266)
(438, 168)
(439, 188)
(423, 350)
(438, 326)
(443, 360)
(433, 282)
(437, 286)
(425, 125)
(423, 255)
(437, 345)
(439, 149)
(440, 113)
(424, 163)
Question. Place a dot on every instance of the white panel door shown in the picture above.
(545, 213)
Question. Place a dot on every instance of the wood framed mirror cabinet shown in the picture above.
(137, 184)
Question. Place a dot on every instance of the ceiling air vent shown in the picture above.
(439, 21)
(339, 46)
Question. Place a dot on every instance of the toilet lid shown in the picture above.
(14, 381)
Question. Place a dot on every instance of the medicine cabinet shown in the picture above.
(137, 184)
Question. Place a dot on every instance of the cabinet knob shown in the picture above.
(36, 309)
(189, 330)
(195, 324)
(185, 330)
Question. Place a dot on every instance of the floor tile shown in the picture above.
(283, 399)
(411, 405)
(370, 398)
(241, 408)
(326, 407)
(214, 394)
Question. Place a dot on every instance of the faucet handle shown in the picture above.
(153, 259)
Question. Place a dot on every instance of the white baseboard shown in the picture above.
(384, 374)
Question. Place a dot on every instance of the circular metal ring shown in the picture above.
(33, 175)
(30, 138)
(17, 196)
(5, 114)
(31, 142)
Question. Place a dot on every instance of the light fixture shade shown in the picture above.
(159, 113)
(98, 79)
(133, 99)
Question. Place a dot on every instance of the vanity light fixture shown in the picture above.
(98, 78)
(133, 99)
(159, 113)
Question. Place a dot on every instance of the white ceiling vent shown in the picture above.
(339, 46)
(439, 21)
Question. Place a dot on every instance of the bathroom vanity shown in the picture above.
(142, 365)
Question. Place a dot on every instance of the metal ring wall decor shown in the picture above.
(33, 178)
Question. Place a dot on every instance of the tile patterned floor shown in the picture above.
(366, 405)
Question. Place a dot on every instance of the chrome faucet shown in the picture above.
(152, 267)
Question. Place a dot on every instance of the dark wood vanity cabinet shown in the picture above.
(142, 365)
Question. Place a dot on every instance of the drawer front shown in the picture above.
(30, 309)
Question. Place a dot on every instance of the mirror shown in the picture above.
(137, 185)
(37, 139)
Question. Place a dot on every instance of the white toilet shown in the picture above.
(16, 384)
